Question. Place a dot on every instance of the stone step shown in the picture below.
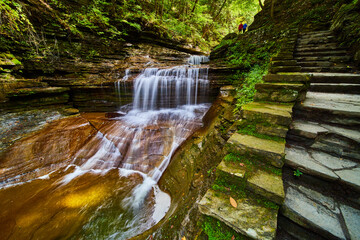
(283, 58)
(324, 33)
(248, 218)
(234, 172)
(323, 165)
(317, 40)
(313, 130)
(335, 78)
(268, 185)
(343, 109)
(284, 63)
(272, 130)
(321, 53)
(279, 86)
(285, 69)
(335, 59)
(265, 184)
(271, 151)
(316, 49)
(320, 213)
(351, 88)
(277, 92)
(279, 114)
(335, 140)
(315, 64)
(335, 69)
(287, 78)
(329, 45)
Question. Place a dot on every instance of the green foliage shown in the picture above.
(13, 20)
(297, 173)
(316, 15)
(246, 92)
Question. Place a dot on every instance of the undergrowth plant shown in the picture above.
(246, 91)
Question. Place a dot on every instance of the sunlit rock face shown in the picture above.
(95, 175)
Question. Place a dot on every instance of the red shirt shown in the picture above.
(241, 26)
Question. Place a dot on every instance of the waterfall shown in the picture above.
(197, 60)
(169, 88)
(120, 84)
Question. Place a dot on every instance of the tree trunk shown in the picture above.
(272, 8)
(222, 6)
(261, 5)
(193, 9)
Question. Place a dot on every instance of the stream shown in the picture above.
(92, 176)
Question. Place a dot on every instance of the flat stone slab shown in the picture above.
(271, 151)
(352, 220)
(350, 177)
(287, 78)
(324, 165)
(279, 86)
(307, 211)
(251, 220)
(307, 129)
(322, 53)
(273, 113)
(278, 92)
(232, 169)
(335, 87)
(339, 69)
(267, 185)
(340, 104)
(313, 130)
(335, 78)
(285, 69)
(274, 130)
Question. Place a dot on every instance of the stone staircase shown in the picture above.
(251, 172)
(318, 52)
(321, 176)
(324, 144)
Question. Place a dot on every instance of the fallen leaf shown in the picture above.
(233, 237)
(241, 164)
(233, 202)
(183, 238)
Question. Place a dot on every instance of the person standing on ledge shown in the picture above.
(241, 26)
(244, 27)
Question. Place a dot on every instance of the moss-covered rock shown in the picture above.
(346, 24)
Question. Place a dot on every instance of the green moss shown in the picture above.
(252, 163)
(268, 204)
(251, 130)
(224, 184)
(217, 230)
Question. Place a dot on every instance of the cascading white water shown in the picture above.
(169, 88)
(197, 60)
(120, 84)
